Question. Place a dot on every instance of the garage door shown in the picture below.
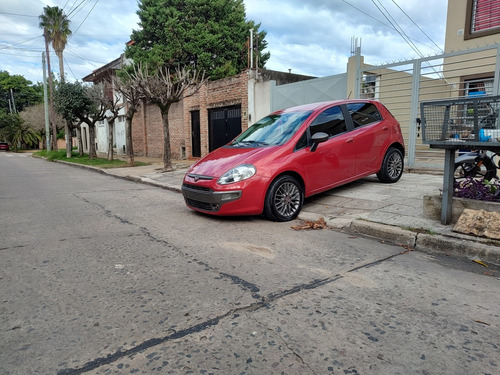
(224, 125)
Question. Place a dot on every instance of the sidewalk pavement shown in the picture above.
(389, 212)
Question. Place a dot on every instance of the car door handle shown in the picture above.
(349, 140)
(385, 128)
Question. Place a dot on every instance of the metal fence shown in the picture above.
(402, 86)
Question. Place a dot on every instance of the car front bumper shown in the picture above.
(204, 194)
(206, 199)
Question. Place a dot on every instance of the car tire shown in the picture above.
(392, 166)
(284, 199)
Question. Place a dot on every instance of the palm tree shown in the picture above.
(46, 37)
(56, 26)
(56, 30)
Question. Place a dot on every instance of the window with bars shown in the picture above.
(478, 87)
(483, 18)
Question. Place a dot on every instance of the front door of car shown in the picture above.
(333, 161)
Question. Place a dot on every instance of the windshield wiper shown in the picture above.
(256, 143)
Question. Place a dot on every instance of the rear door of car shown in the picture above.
(370, 136)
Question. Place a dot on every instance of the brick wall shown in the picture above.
(147, 127)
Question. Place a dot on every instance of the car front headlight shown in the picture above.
(239, 173)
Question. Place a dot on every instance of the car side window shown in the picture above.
(330, 121)
(303, 142)
(363, 113)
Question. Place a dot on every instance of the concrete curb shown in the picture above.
(395, 235)
(459, 247)
(427, 242)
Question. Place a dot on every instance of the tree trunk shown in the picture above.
(128, 136)
(51, 100)
(61, 64)
(111, 125)
(167, 154)
(69, 140)
(92, 150)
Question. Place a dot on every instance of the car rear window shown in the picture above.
(363, 113)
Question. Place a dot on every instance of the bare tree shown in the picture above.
(97, 113)
(165, 87)
(130, 87)
(112, 102)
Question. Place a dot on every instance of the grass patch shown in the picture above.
(85, 160)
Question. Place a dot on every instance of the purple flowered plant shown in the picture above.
(483, 190)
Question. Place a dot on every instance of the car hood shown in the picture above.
(223, 159)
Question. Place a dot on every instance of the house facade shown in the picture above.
(470, 24)
(106, 73)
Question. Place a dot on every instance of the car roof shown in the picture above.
(321, 105)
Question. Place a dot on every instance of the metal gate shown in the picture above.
(401, 86)
(224, 125)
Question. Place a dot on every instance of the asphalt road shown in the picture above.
(104, 276)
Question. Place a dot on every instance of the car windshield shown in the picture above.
(273, 130)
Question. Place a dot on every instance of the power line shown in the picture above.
(83, 58)
(77, 8)
(69, 67)
(396, 27)
(25, 41)
(383, 23)
(78, 28)
(19, 15)
(423, 32)
(402, 33)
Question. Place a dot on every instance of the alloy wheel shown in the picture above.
(287, 199)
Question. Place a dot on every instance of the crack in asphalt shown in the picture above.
(263, 302)
(12, 247)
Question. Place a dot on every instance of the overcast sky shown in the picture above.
(310, 37)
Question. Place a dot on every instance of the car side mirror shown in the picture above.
(318, 138)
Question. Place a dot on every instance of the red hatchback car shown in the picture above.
(295, 153)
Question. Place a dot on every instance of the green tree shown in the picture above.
(17, 132)
(209, 35)
(23, 92)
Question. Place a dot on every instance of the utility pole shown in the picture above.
(46, 104)
(251, 48)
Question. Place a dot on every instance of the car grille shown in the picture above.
(210, 207)
(197, 187)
